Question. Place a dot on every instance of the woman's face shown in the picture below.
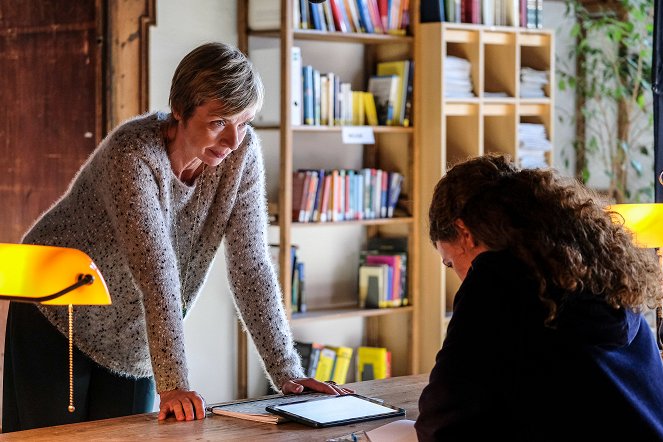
(459, 253)
(210, 135)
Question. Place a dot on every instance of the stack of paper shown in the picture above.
(457, 77)
(532, 83)
(533, 144)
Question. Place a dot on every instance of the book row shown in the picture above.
(297, 299)
(320, 195)
(383, 273)
(522, 13)
(325, 99)
(332, 363)
(361, 16)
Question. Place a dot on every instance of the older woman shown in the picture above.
(546, 341)
(151, 207)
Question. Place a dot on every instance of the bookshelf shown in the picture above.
(330, 250)
(453, 129)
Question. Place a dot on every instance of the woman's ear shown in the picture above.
(464, 235)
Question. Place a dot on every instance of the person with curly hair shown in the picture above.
(547, 340)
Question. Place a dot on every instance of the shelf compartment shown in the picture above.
(463, 134)
(499, 73)
(347, 312)
(499, 129)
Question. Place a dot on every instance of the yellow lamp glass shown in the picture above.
(55, 276)
(645, 221)
(29, 272)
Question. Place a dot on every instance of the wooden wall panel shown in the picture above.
(69, 72)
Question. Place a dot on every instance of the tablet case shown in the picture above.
(396, 411)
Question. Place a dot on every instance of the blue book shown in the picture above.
(365, 17)
(431, 11)
(315, 17)
(307, 86)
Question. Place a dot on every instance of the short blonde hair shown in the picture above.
(215, 72)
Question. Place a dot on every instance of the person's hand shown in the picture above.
(296, 386)
(184, 405)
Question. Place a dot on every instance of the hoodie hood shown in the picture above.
(587, 318)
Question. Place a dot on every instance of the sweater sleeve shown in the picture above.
(131, 198)
(252, 278)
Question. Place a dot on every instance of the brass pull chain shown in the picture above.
(71, 359)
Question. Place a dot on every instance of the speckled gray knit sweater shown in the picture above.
(122, 209)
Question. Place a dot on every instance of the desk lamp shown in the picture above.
(54, 276)
(645, 221)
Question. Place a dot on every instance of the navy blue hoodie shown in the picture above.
(502, 374)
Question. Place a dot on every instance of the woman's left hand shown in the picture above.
(296, 386)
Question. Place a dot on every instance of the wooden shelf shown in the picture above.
(340, 37)
(347, 312)
(451, 130)
(364, 222)
(352, 57)
(376, 129)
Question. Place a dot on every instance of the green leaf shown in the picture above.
(585, 175)
(637, 166)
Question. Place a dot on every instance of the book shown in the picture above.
(373, 280)
(309, 353)
(369, 108)
(373, 363)
(254, 409)
(342, 364)
(393, 246)
(385, 92)
(326, 362)
(431, 11)
(307, 94)
(401, 69)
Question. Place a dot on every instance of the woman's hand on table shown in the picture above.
(184, 405)
(296, 386)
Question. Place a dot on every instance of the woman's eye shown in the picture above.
(219, 122)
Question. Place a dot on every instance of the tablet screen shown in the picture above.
(337, 409)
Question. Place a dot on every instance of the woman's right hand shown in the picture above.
(183, 404)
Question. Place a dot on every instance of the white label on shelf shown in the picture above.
(357, 135)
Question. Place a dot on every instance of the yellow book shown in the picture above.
(325, 364)
(373, 363)
(343, 357)
(401, 69)
(369, 108)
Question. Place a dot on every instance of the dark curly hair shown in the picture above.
(553, 224)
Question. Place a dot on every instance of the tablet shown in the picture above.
(335, 410)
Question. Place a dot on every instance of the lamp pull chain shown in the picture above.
(71, 359)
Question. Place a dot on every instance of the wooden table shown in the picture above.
(400, 391)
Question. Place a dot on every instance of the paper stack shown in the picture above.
(533, 144)
(457, 78)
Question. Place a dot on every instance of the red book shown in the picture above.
(374, 12)
(383, 7)
(324, 205)
(339, 23)
(298, 181)
(470, 12)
